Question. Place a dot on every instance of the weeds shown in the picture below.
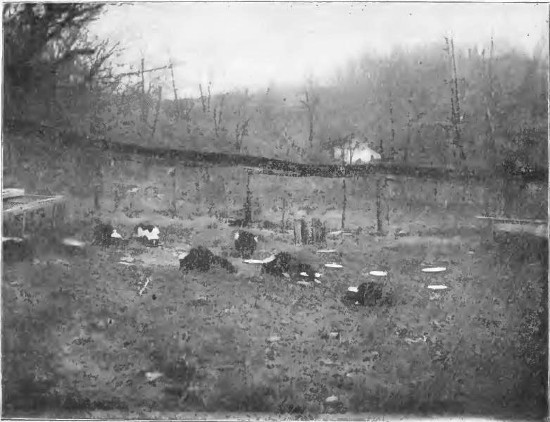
(491, 347)
(233, 394)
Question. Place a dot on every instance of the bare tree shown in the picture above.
(241, 128)
(489, 98)
(176, 102)
(209, 96)
(392, 123)
(203, 99)
(455, 103)
(310, 104)
(217, 115)
(157, 113)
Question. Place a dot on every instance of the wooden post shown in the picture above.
(379, 224)
(344, 205)
(98, 186)
(319, 231)
(297, 232)
(58, 214)
(54, 215)
(97, 193)
(309, 231)
(173, 207)
(382, 207)
(385, 201)
(12, 159)
(117, 195)
(176, 102)
(143, 118)
(23, 224)
(248, 202)
(156, 115)
(283, 219)
(306, 232)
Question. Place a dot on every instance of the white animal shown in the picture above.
(150, 235)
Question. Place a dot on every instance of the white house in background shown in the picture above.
(356, 154)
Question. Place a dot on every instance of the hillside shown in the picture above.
(401, 106)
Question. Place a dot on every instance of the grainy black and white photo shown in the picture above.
(275, 210)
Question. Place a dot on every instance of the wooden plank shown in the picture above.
(533, 229)
(35, 205)
(511, 220)
(12, 193)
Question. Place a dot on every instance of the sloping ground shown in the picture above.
(78, 338)
(139, 191)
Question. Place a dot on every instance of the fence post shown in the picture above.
(386, 199)
(98, 187)
(248, 202)
(344, 205)
(380, 217)
(379, 224)
(306, 232)
(309, 231)
(172, 205)
(117, 194)
(283, 219)
(318, 231)
(297, 232)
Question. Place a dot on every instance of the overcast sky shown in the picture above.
(238, 45)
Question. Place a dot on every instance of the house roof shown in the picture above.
(361, 147)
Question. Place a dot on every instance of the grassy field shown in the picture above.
(78, 338)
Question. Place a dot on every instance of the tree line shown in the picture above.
(437, 104)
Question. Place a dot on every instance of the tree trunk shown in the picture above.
(457, 101)
(489, 105)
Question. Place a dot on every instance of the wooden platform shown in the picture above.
(511, 220)
(12, 193)
(17, 204)
(534, 227)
